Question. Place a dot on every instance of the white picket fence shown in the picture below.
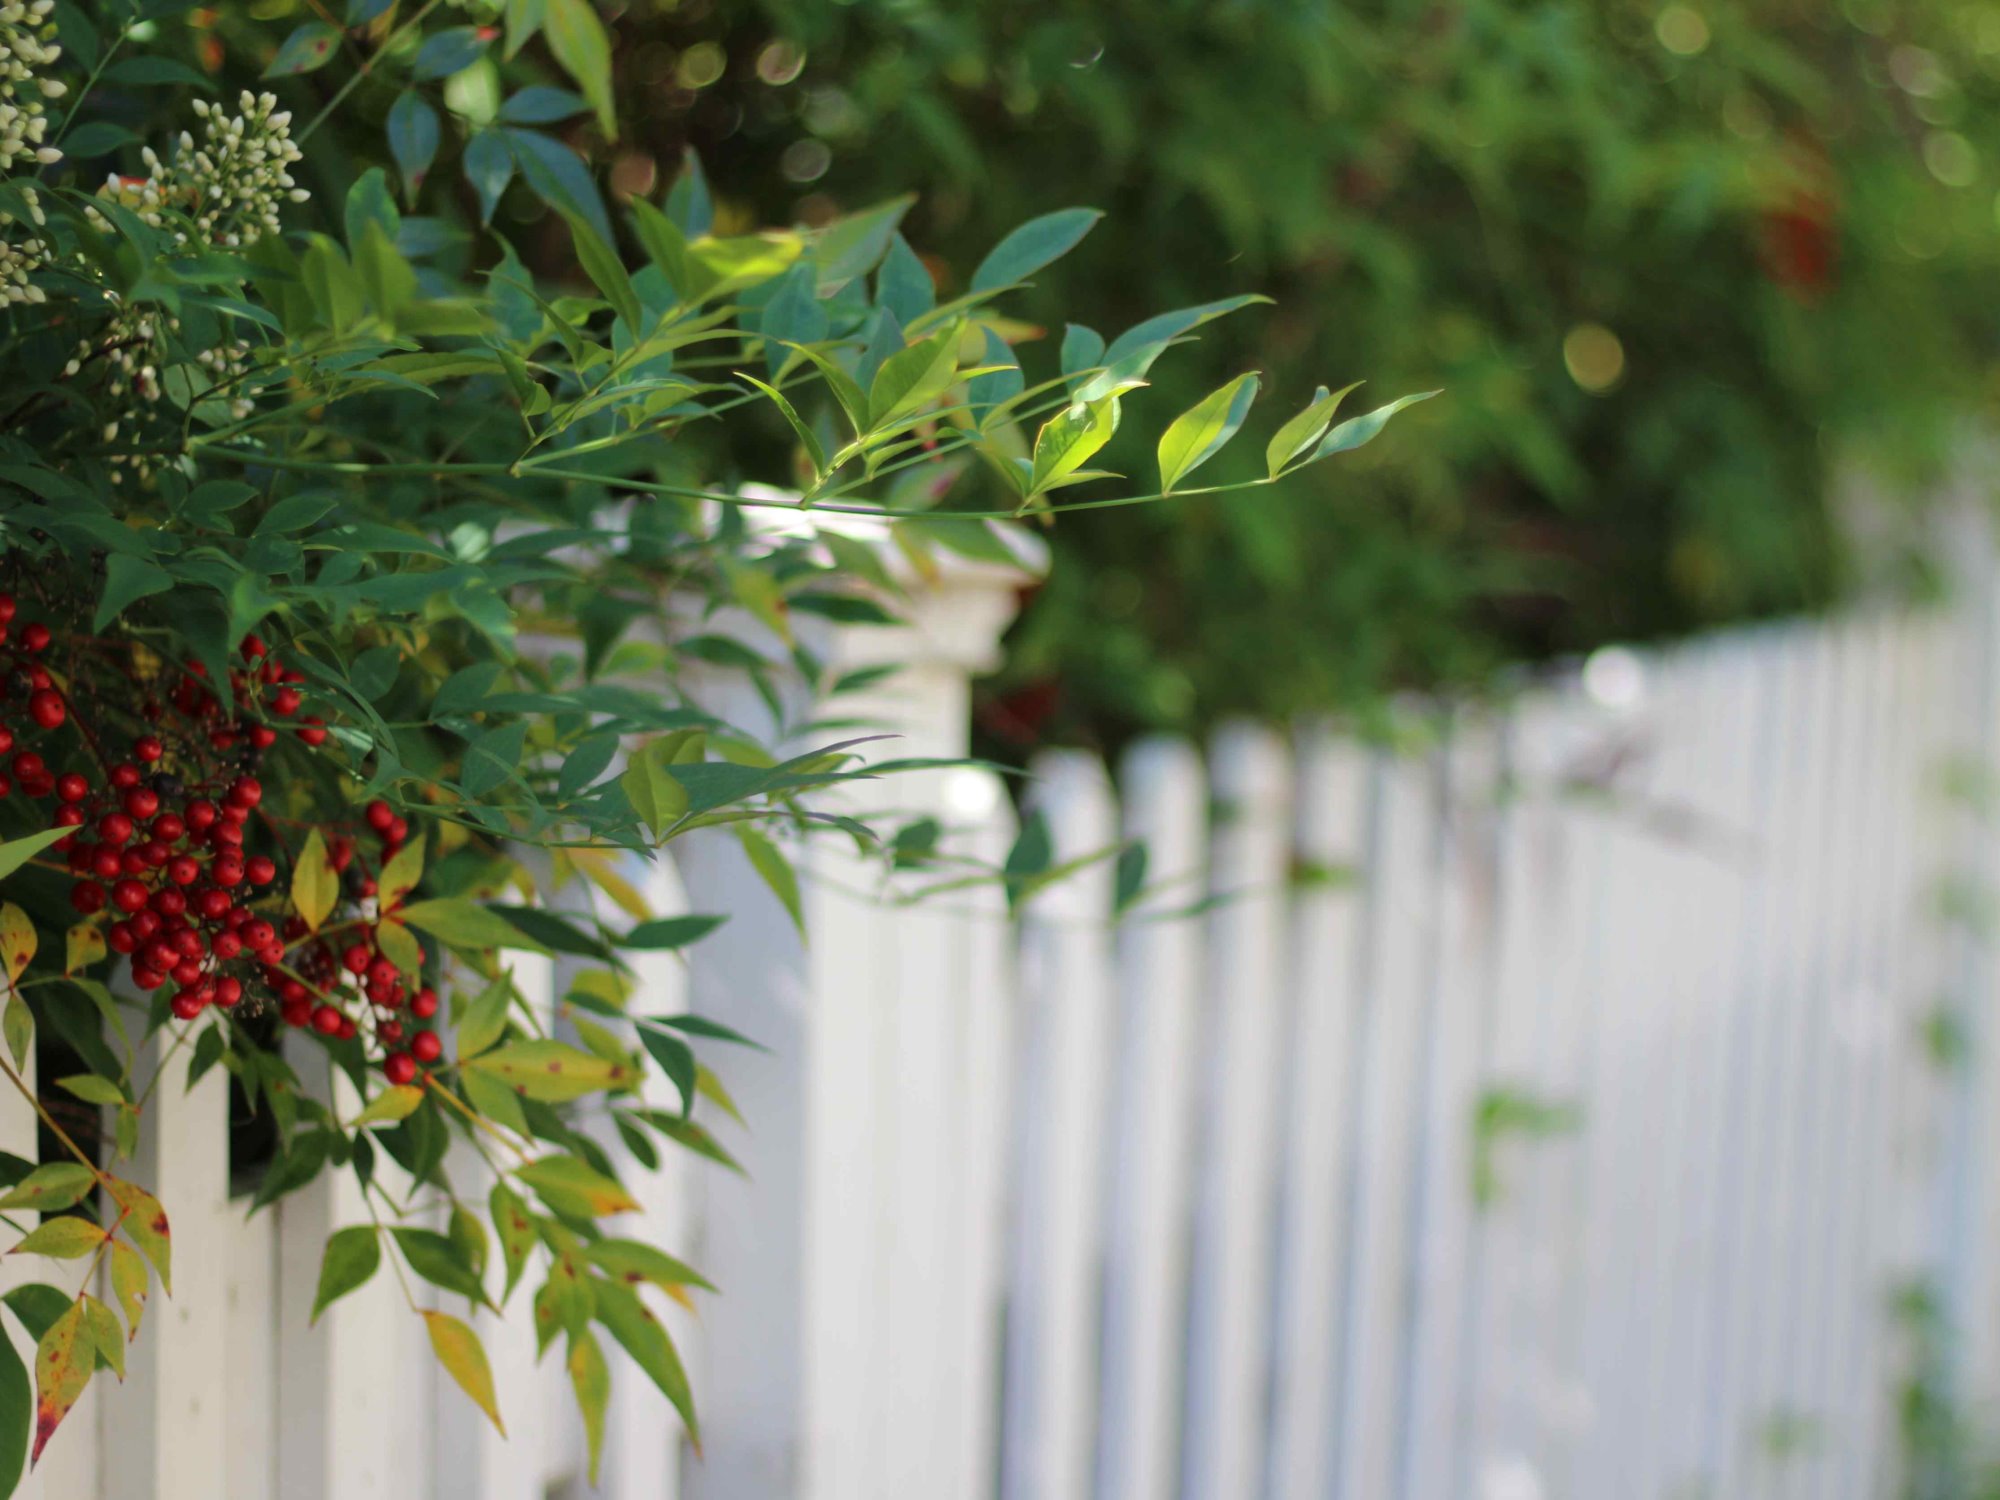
(1182, 1204)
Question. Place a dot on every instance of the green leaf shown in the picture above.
(17, 1022)
(127, 580)
(806, 437)
(309, 47)
(574, 1189)
(668, 248)
(64, 1360)
(52, 1188)
(466, 924)
(577, 38)
(670, 932)
(394, 1104)
(96, 138)
(489, 167)
(1033, 245)
(434, 1257)
(590, 1376)
(1302, 431)
(676, 1060)
(130, 1283)
(413, 139)
(644, 1337)
(1069, 438)
(65, 1238)
(633, 1262)
(688, 202)
(350, 1258)
(17, 852)
(912, 378)
(656, 795)
(107, 1334)
(93, 1090)
(603, 267)
(1200, 432)
(17, 1411)
(516, 1231)
(775, 871)
(450, 51)
(524, 19)
(1355, 431)
(458, 1349)
(553, 1072)
(486, 1018)
(702, 1026)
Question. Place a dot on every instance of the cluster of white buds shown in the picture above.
(133, 348)
(20, 261)
(25, 52)
(231, 182)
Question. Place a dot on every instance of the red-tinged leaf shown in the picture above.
(145, 1224)
(50, 1189)
(552, 1072)
(63, 1362)
(464, 1358)
(17, 940)
(516, 1230)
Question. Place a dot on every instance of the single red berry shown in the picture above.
(200, 814)
(69, 817)
(226, 945)
(120, 937)
(38, 677)
(290, 991)
(234, 815)
(236, 916)
(145, 924)
(357, 958)
(106, 865)
(227, 870)
(379, 815)
(228, 992)
(348, 1028)
(424, 1004)
(212, 903)
(72, 787)
(7, 607)
(169, 902)
(183, 870)
(381, 974)
(6, 740)
(296, 1012)
(261, 869)
(186, 1005)
(263, 736)
(399, 1068)
(147, 979)
(426, 1047)
(148, 749)
(168, 828)
(326, 1020)
(226, 835)
(124, 776)
(115, 828)
(252, 648)
(28, 766)
(222, 739)
(128, 895)
(45, 707)
(341, 854)
(367, 888)
(6, 786)
(87, 896)
(186, 971)
(247, 791)
(314, 732)
(142, 802)
(35, 637)
(257, 933)
(388, 1033)
(285, 702)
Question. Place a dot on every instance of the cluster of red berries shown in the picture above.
(159, 845)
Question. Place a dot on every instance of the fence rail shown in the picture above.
(1543, 1109)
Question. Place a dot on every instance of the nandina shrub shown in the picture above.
(351, 578)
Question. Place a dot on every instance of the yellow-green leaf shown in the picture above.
(808, 440)
(85, 946)
(591, 1378)
(129, 1281)
(1069, 438)
(400, 946)
(467, 924)
(66, 1238)
(145, 1224)
(458, 1349)
(315, 883)
(17, 940)
(634, 1261)
(516, 1230)
(17, 852)
(552, 1072)
(643, 1336)
(1200, 432)
(397, 1102)
(774, 870)
(572, 1188)
(17, 1022)
(655, 794)
(63, 1362)
(912, 377)
(400, 875)
(107, 1334)
(1302, 431)
(51, 1188)
(486, 1018)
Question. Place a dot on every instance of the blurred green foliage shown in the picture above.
(1671, 264)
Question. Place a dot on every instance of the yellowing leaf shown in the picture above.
(63, 1362)
(599, 870)
(467, 924)
(66, 1238)
(458, 1349)
(17, 940)
(51, 1188)
(552, 1072)
(315, 883)
(397, 1102)
(656, 796)
(400, 946)
(17, 1022)
(573, 1188)
(130, 1282)
(1199, 433)
(145, 1224)
(85, 947)
(486, 1017)
(400, 875)
(107, 1334)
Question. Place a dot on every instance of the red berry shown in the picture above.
(341, 855)
(252, 648)
(148, 749)
(381, 974)
(228, 992)
(200, 814)
(348, 1028)
(424, 1004)
(388, 1033)
(169, 902)
(263, 736)
(367, 887)
(380, 815)
(426, 1047)
(36, 637)
(7, 607)
(124, 775)
(142, 802)
(227, 870)
(147, 979)
(72, 787)
(128, 895)
(295, 927)
(399, 1068)
(257, 933)
(314, 732)
(357, 958)
(168, 828)
(6, 740)
(28, 766)
(68, 817)
(285, 702)
(296, 1012)
(183, 871)
(45, 707)
(326, 1020)
(106, 865)
(186, 971)
(188, 943)
(187, 1005)
(39, 786)
(291, 992)
(260, 869)
(145, 924)
(87, 896)
(226, 945)
(246, 792)
(226, 835)
(120, 937)
(115, 828)
(212, 904)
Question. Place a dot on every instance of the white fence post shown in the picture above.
(807, 1367)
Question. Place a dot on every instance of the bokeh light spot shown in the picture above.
(1681, 30)
(1594, 357)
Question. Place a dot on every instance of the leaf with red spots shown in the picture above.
(309, 47)
(644, 1337)
(553, 1072)
(145, 1225)
(63, 1362)
(17, 940)
(516, 1230)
